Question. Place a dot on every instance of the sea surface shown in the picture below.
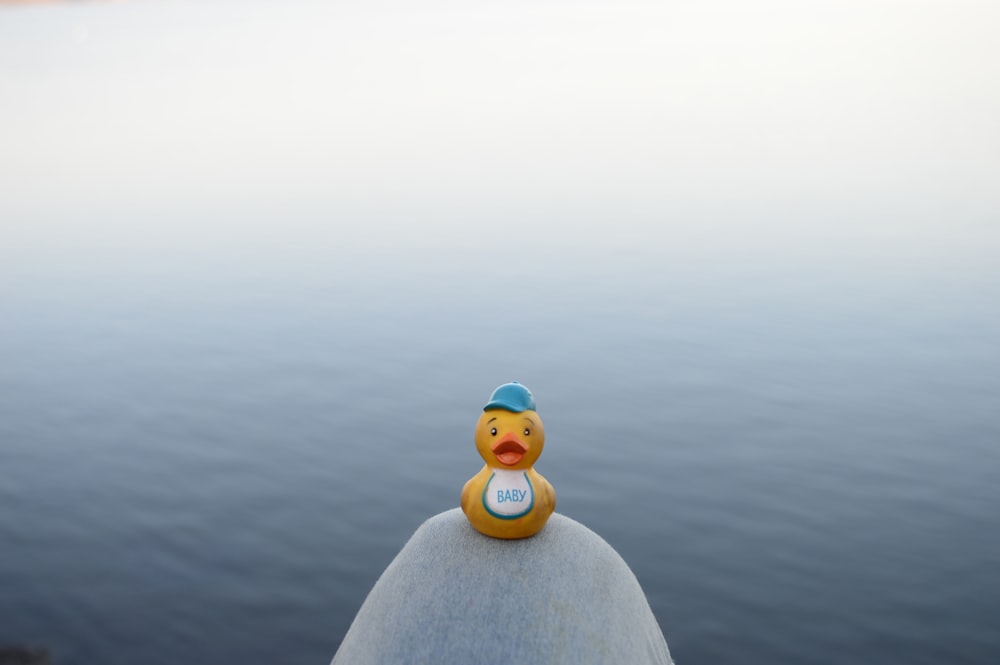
(240, 363)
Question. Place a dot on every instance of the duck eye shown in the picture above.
(493, 431)
(527, 432)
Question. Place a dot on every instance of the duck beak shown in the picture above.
(509, 449)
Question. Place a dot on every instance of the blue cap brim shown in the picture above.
(506, 406)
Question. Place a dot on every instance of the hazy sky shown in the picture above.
(722, 108)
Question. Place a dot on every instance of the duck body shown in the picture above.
(508, 498)
(502, 505)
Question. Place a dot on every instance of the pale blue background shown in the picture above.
(261, 264)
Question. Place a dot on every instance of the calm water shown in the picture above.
(235, 376)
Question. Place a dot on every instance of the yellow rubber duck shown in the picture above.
(508, 498)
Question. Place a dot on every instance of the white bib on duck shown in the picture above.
(508, 494)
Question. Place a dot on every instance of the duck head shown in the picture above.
(510, 434)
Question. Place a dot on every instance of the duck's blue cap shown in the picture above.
(511, 397)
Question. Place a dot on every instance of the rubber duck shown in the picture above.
(508, 498)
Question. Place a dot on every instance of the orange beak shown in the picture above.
(509, 449)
